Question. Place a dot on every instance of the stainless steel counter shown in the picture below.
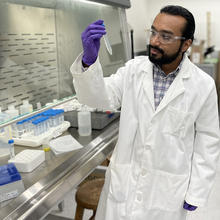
(47, 185)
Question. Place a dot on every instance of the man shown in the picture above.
(165, 159)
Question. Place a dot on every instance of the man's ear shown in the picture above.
(186, 45)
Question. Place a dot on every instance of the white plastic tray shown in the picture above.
(35, 141)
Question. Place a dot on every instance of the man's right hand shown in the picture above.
(91, 42)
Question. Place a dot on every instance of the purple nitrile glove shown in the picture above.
(189, 207)
(91, 41)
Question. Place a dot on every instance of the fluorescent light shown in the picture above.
(91, 2)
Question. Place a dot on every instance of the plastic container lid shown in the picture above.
(21, 122)
(9, 174)
(25, 102)
(11, 107)
(47, 112)
(11, 141)
(60, 111)
(44, 118)
(35, 122)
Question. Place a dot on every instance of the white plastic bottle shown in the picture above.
(39, 105)
(3, 118)
(84, 123)
(26, 107)
(12, 111)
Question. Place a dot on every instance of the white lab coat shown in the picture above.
(162, 157)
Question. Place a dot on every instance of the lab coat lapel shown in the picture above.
(148, 85)
(176, 88)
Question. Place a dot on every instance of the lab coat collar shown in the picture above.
(147, 66)
(175, 89)
(147, 69)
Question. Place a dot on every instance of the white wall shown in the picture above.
(144, 11)
(137, 17)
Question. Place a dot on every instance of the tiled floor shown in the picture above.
(211, 212)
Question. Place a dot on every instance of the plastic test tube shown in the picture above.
(49, 113)
(11, 149)
(61, 116)
(44, 121)
(36, 127)
(107, 43)
(20, 128)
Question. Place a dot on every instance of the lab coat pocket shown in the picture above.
(119, 175)
(168, 191)
(173, 121)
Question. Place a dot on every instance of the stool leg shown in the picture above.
(61, 206)
(93, 216)
(79, 212)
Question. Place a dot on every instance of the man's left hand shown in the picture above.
(189, 207)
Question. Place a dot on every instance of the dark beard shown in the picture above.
(165, 59)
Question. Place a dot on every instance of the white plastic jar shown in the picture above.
(84, 123)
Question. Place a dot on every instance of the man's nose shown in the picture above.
(155, 40)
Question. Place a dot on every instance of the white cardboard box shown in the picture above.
(28, 160)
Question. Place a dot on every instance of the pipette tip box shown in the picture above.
(27, 160)
(11, 184)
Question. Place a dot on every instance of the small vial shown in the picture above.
(11, 149)
(107, 43)
(61, 116)
(36, 127)
(48, 113)
(41, 126)
(45, 124)
(39, 105)
(57, 117)
(46, 145)
(20, 128)
(29, 126)
(54, 119)
(25, 126)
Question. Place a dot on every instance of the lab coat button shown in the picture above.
(143, 172)
(139, 197)
(147, 147)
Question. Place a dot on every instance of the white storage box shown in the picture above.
(11, 184)
(28, 160)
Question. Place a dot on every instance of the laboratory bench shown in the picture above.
(47, 185)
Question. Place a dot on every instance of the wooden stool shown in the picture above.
(87, 197)
(106, 161)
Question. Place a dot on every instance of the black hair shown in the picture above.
(189, 29)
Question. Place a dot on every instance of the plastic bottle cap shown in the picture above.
(35, 122)
(11, 107)
(11, 141)
(46, 149)
(38, 105)
(20, 122)
(25, 102)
